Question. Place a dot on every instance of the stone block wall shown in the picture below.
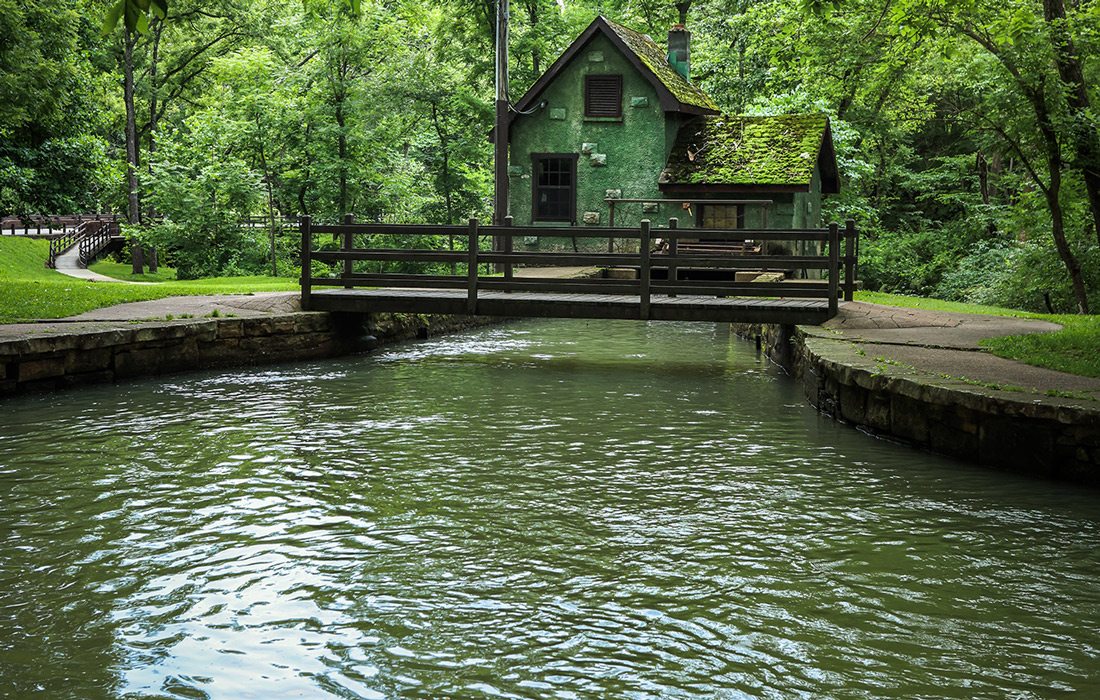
(94, 353)
(1052, 437)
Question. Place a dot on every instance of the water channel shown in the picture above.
(563, 509)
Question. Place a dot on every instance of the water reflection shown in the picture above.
(566, 509)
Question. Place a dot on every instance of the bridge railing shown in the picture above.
(671, 261)
(91, 235)
(39, 226)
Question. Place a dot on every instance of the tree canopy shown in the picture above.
(966, 131)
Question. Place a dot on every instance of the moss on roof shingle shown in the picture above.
(740, 150)
(656, 59)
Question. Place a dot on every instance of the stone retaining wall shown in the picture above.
(1051, 436)
(106, 352)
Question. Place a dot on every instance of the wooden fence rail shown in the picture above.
(671, 262)
(37, 225)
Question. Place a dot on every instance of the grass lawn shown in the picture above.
(123, 271)
(29, 290)
(1074, 349)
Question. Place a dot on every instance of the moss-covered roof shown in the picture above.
(740, 150)
(656, 59)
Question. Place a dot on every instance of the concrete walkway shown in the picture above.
(941, 345)
(176, 309)
(68, 263)
(932, 344)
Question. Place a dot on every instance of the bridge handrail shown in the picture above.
(90, 235)
(39, 225)
(97, 235)
(644, 286)
(812, 234)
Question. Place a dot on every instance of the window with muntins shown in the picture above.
(555, 187)
(603, 95)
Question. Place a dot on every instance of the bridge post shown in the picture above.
(471, 269)
(307, 260)
(349, 241)
(673, 273)
(508, 238)
(644, 272)
(611, 224)
(834, 268)
(849, 260)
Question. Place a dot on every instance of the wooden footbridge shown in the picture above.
(372, 268)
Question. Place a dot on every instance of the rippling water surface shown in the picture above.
(545, 509)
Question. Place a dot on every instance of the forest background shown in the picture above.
(966, 130)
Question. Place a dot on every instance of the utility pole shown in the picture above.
(500, 146)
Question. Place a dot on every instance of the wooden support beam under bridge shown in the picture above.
(377, 287)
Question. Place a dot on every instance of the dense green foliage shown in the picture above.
(31, 291)
(967, 132)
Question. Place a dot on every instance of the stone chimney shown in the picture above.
(679, 43)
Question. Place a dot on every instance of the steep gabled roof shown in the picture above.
(656, 61)
(676, 93)
(740, 152)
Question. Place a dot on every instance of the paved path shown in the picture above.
(243, 305)
(938, 343)
(929, 343)
(68, 263)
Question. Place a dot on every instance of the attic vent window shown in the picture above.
(603, 95)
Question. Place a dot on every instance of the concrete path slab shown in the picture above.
(243, 305)
(68, 263)
(940, 344)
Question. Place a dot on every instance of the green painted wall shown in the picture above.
(633, 149)
(626, 155)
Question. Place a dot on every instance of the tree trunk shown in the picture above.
(137, 256)
(154, 88)
(983, 178)
(445, 175)
(342, 154)
(342, 137)
(1086, 139)
(1053, 194)
(533, 16)
(1058, 228)
(132, 164)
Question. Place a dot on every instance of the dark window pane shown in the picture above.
(553, 188)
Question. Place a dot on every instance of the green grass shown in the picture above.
(1074, 349)
(29, 290)
(930, 304)
(123, 271)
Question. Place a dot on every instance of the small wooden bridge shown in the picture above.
(668, 283)
(89, 239)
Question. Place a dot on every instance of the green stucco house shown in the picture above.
(615, 132)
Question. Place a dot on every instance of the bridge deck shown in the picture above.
(557, 305)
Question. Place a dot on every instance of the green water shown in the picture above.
(545, 509)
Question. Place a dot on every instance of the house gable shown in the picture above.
(674, 92)
(620, 154)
